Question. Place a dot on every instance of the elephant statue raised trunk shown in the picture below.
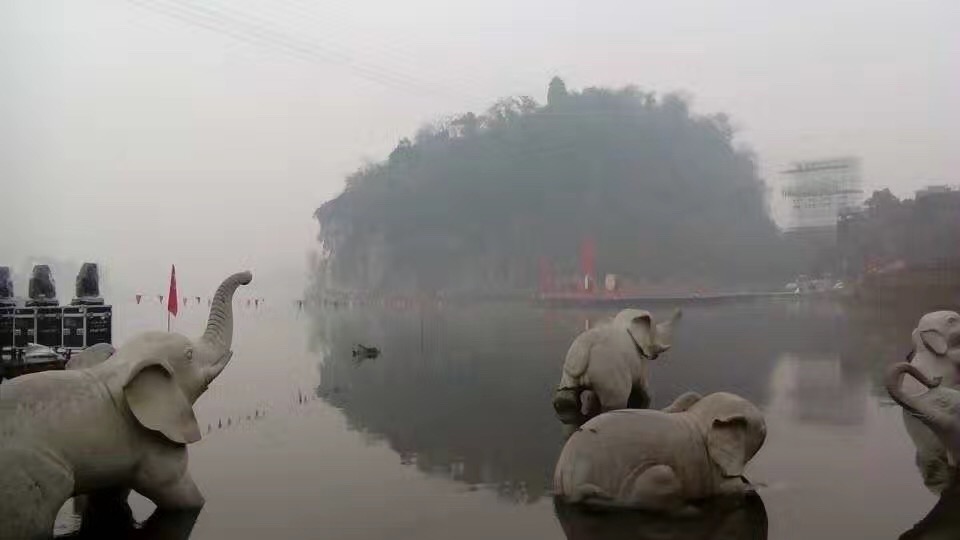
(938, 408)
(217, 338)
(114, 420)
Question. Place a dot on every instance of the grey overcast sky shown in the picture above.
(141, 133)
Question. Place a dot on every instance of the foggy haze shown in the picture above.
(143, 133)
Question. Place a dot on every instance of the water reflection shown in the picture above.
(730, 520)
(465, 393)
(818, 390)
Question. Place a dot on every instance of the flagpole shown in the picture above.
(168, 320)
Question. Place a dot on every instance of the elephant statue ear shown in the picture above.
(726, 443)
(639, 324)
(934, 340)
(158, 404)
(91, 356)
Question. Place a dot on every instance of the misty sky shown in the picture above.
(141, 133)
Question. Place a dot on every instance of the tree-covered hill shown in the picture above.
(479, 202)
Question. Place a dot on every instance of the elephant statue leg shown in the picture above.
(41, 485)
(169, 525)
(107, 505)
(935, 470)
(105, 514)
(614, 393)
(165, 480)
(108, 497)
(639, 398)
(658, 489)
(179, 494)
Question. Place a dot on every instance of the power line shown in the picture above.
(266, 37)
(262, 35)
(302, 12)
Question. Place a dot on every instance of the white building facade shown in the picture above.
(818, 191)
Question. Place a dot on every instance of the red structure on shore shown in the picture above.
(588, 261)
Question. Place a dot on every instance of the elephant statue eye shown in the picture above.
(189, 355)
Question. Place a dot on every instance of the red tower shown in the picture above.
(546, 276)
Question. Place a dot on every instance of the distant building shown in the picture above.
(818, 192)
(932, 190)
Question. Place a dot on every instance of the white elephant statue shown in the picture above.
(605, 368)
(122, 423)
(936, 353)
(662, 460)
(937, 408)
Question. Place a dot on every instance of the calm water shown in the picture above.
(450, 433)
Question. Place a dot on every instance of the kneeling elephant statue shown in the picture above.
(605, 368)
(121, 423)
(661, 460)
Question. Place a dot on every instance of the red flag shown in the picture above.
(172, 298)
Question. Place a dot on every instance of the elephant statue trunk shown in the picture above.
(218, 336)
(220, 323)
(936, 419)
